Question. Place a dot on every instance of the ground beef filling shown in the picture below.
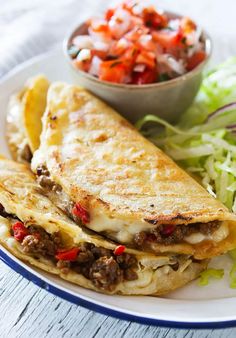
(45, 181)
(172, 234)
(39, 242)
(54, 191)
(100, 265)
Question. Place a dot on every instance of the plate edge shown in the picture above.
(57, 291)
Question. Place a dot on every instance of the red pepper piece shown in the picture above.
(68, 255)
(119, 250)
(19, 231)
(79, 211)
(168, 230)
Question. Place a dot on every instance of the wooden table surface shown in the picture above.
(28, 28)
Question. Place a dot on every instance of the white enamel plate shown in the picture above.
(193, 306)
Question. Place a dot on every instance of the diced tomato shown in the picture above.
(147, 58)
(148, 76)
(119, 250)
(113, 71)
(79, 211)
(129, 56)
(167, 39)
(153, 19)
(19, 231)
(168, 230)
(99, 26)
(99, 53)
(195, 59)
(109, 14)
(68, 255)
(187, 25)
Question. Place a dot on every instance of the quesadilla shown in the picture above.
(24, 114)
(105, 175)
(34, 230)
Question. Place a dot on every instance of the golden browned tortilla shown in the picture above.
(21, 200)
(23, 125)
(130, 190)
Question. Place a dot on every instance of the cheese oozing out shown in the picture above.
(125, 231)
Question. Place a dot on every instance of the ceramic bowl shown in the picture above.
(166, 99)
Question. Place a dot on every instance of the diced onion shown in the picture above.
(83, 41)
(84, 55)
(95, 64)
(139, 67)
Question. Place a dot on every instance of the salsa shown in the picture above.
(134, 43)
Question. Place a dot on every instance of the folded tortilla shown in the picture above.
(35, 231)
(103, 173)
(23, 124)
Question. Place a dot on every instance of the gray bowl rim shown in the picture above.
(168, 83)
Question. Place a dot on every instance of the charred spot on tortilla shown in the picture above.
(168, 218)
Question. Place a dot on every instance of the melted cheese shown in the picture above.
(121, 231)
(124, 232)
(216, 236)
(5, 224)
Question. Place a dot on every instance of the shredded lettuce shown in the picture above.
(210, 273)
(218, 89)
(204, 141)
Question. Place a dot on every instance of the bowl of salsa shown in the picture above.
(140, 59)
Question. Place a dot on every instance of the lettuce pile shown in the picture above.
(204, 141)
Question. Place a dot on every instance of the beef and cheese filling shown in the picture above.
(105, 268)
(165, 234)
(171, 234)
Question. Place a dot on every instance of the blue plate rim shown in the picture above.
(77, 300)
